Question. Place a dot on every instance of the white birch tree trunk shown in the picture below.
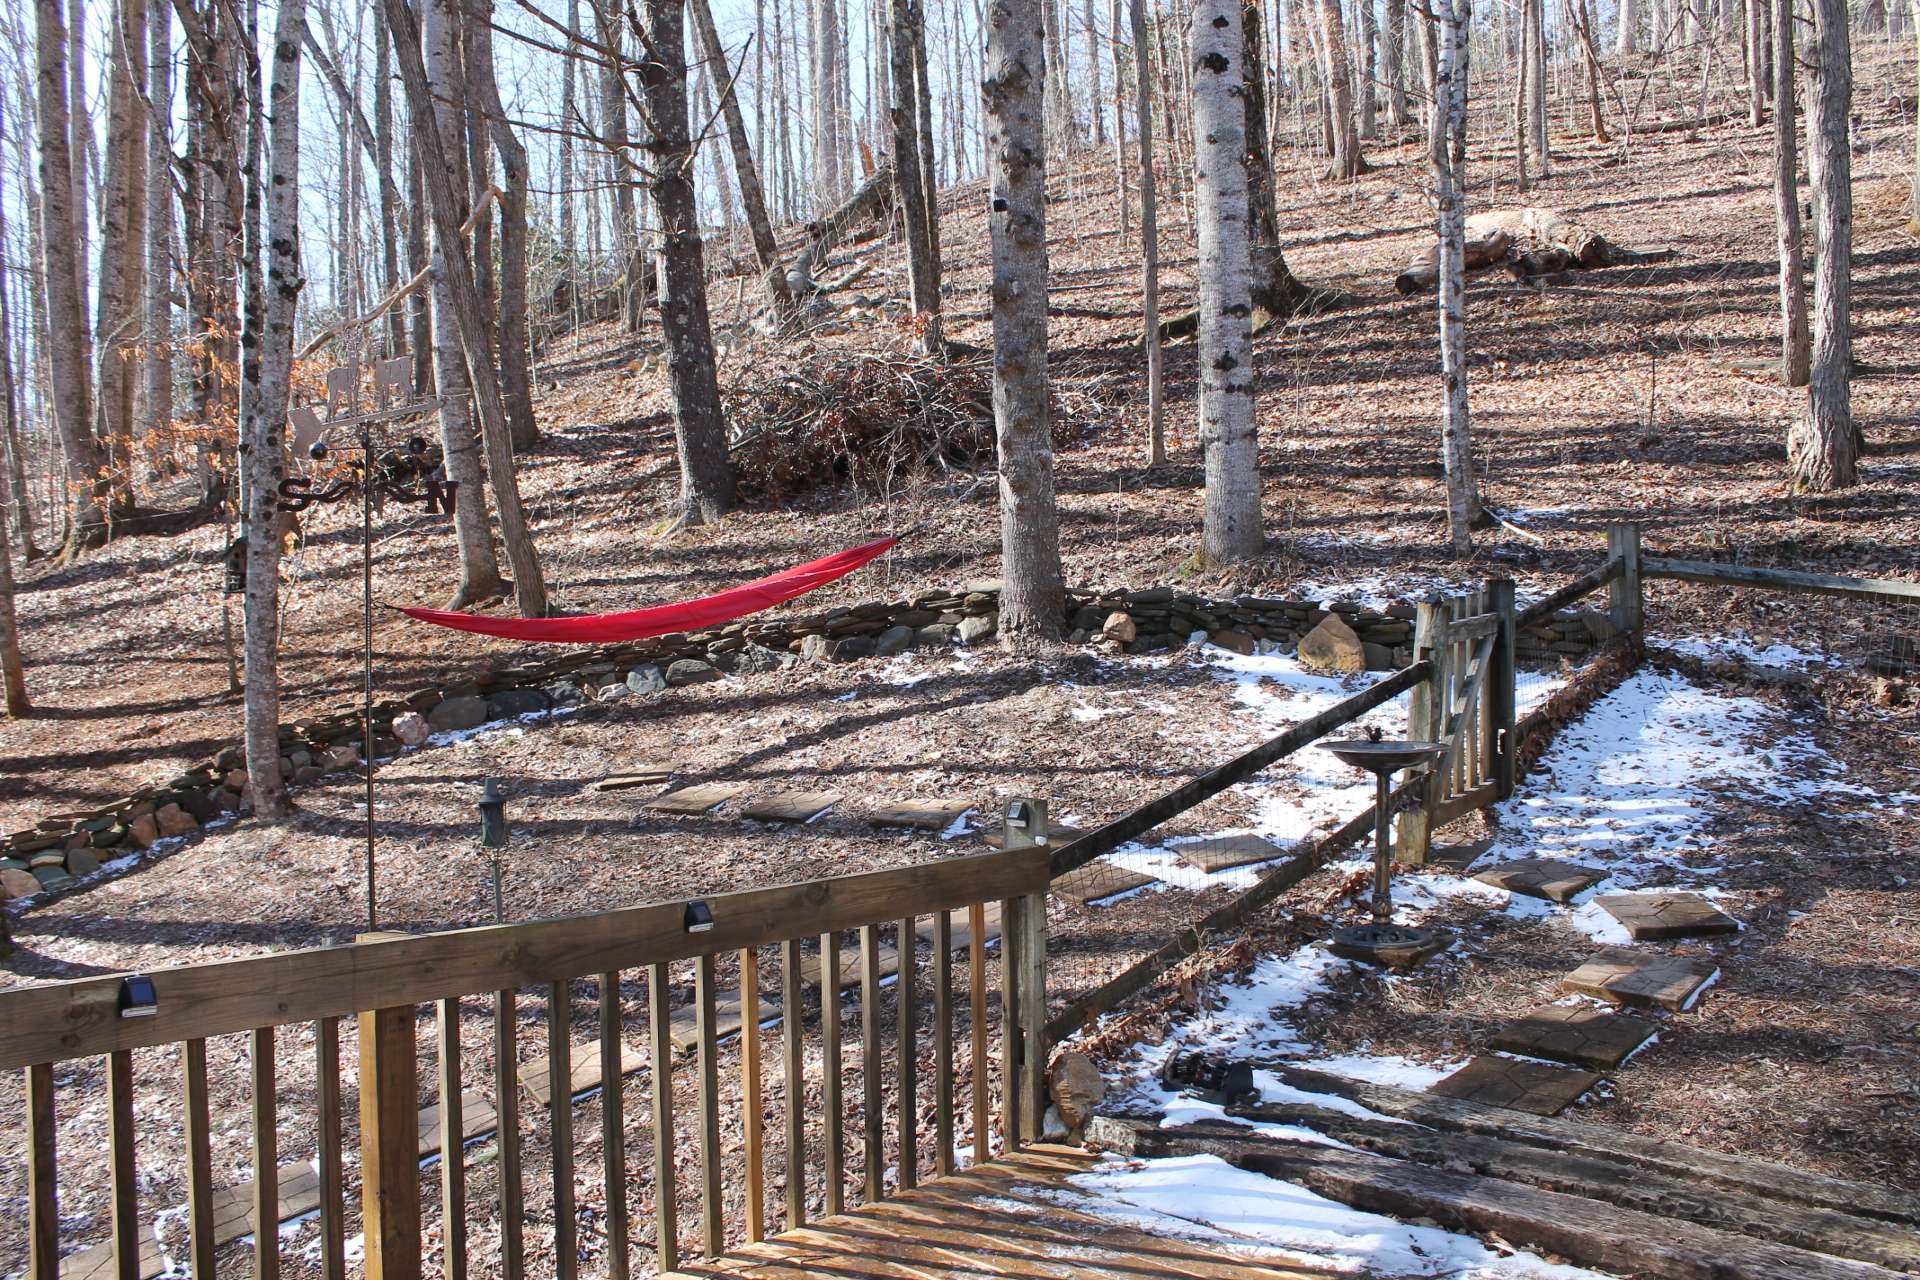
(1788, 239)
(1536, 55)
(267, 367)
(1449, 163)
(1627, 39)
(1823, 443)
(1231, 450)
(1033, 600)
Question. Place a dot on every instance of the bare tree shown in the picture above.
(1271, 286)
(1228, 442)
(1794, 353)
(1347, 160)
(440, 145)
(1752, 48)
(773, 276)
(1535, 53)
(68, 346)
(13, 673)
(266, 376)
(700, 432)
(917, 198)
(122, 274)
(1628, 39)
(516, 374)
(1449, 164)
(1393, 52)
(1149, 232)
(1913, 199)
(159, 230)
(1823, 443)
(829, 70)
(613, 129)
(1033, 601)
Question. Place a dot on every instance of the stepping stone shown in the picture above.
(1223, 853)
(1055, 838)
(649, 775)
(1516, 1084)
(585, 1075)
(1575, 1033)
(1457, 857)
(790, 806)
(1620, 976)
(1652, 916)
(684, 1025)
(476, 1117)
(704, 798)
(920, 815)
(1542, 878)
(1097, 880)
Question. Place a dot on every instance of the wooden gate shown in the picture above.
(1467, 704)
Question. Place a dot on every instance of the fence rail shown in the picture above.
(1742, 575)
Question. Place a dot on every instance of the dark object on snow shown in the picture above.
(1212, 1075)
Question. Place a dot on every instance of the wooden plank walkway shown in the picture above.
(993, 1220)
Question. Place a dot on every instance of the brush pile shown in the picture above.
(874, 420)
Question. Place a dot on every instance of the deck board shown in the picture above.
(992, 1220)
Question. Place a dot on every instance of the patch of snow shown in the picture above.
(1743, 648)
(1597, 924)
(1384, 1068)
(1203, 1198)
(1374, 590)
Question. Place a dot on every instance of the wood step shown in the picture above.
(1644, 979)
(1578, 1034)
(1517, 1084)
(1588, 1232)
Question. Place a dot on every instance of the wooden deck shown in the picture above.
(992, 1220)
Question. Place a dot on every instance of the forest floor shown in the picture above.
(1622, 396)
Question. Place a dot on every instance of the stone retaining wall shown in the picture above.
(61, 849)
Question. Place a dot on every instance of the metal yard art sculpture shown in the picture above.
(348, 427)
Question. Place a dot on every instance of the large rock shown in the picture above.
(1234, 641)
(467, 711)
(757, 659)
(937, 636)
(143, 830)
(82, 862)
(562, 693)
(175, 821)
(1076, 1087)
(341, 756)
(1119, 628)
(17, 884)
(1333, 646)
(691, 671)
(815, 648)
(648, 679)
(894, 640)
(508, 703)
(411, 728)
(976, 629)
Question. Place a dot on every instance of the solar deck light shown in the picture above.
(699, 917)
(1023, 823)
(138, 999)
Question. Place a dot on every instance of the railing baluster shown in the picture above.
(126, 1188)
(666, 1205)
(1011, 914)
(333, 1216)
(794, 1081)
(1032, 1014)
(832, 1107)
(754, 1122)
(453, 1164)
(977, 1010)
(43, 1206)
(907, 1062)
(713, 1224)
(870, 1111)
(506, 1105)
(613, 1132)
(943, 1043)
(566, 1260)
(199, 1134)
(266, 1159)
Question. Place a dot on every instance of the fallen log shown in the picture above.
(871, 199)
(1589, 1233)
(1531, 242)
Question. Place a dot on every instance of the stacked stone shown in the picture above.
(1154, 619)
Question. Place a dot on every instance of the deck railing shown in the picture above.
(383, 981)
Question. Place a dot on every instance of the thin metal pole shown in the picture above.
(366, 646)
(1382, 857)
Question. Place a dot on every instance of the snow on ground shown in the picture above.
(1743, 648)
(1203, 1198)
(1632, 785)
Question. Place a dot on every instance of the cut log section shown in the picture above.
(1530, 242)
(1659, 1241)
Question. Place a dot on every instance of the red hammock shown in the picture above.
(604, 628)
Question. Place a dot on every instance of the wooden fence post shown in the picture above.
(1500, 688)
(390, 1139)
(1426, 718)
(1625, 602)
(1033, 1013)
